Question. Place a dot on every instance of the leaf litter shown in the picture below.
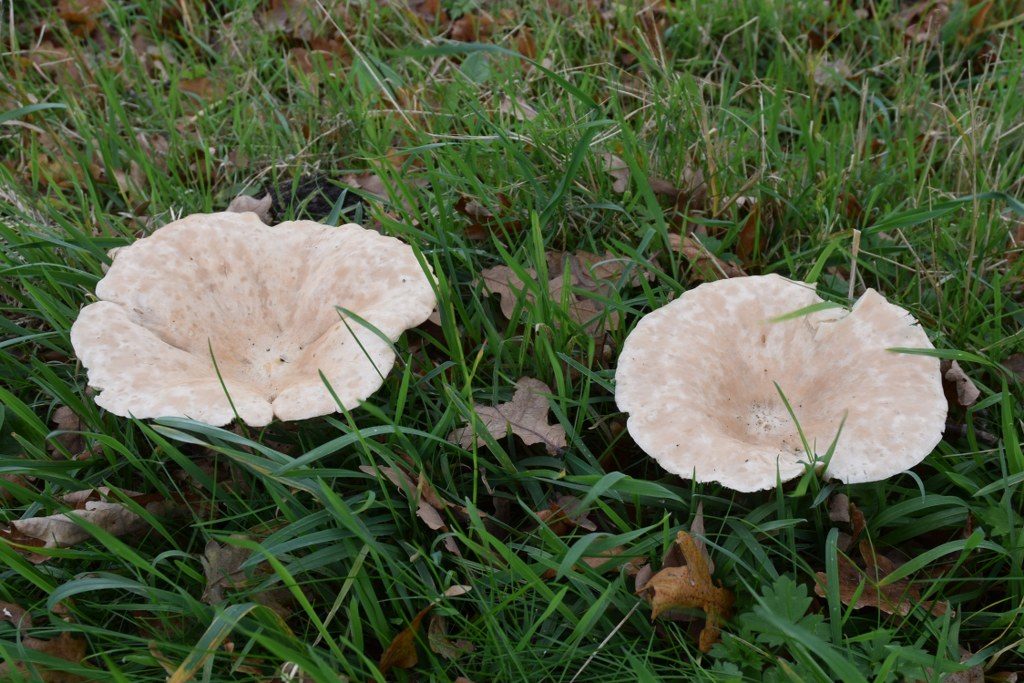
(526, 416)
(95, 506)
(864, 585)
(401, 652)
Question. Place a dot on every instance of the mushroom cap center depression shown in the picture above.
(249, 326)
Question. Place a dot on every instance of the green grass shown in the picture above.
(921, 149)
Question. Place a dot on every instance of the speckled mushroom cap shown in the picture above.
(698, 379)
(262, 303)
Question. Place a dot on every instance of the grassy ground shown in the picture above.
(832, 117)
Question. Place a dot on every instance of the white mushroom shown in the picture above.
(218, 313)
(698, 378)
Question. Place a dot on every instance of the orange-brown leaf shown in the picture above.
(401, 653)
(690, 587)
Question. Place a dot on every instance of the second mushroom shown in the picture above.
(706, 379)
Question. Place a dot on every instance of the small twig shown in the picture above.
(604, 642)
(854, 251)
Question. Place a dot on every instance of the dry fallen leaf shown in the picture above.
(65, 646)
(222, 566)
(579, 279)
(563, 516)
(65, 420)
(517, 108)
(472, 27)
(525, 44)
(203, 87)
(604, 561)
(429, 505)
(1015, 364)
(705, 265)
(370, 182)
(690, 587)
(401, 653)
(15, 614)
(673, 557)
(526, 416)
(898, 597)
(922, 22)
(617, 169)
(440, 643)
(428, 12)
(688, 194)
(81, 14)
(839, 508)
(483, 222)
(91, 505)
(959, 388)
(261, 207)
(833, 74)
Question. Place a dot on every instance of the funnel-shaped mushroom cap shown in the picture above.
(262, 303)
(698, 379)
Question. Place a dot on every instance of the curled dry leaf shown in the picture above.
(526, 416)
(65, 420)
(564, 515)
(705, 266)
(261, 207)
(690, 587)
(440, 643)
(959, 389)
(673, 557)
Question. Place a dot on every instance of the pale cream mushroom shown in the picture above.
(218, 313)
(698, 379)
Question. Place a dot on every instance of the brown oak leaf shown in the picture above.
(897, 597)
(581, 280)
(526, 416)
